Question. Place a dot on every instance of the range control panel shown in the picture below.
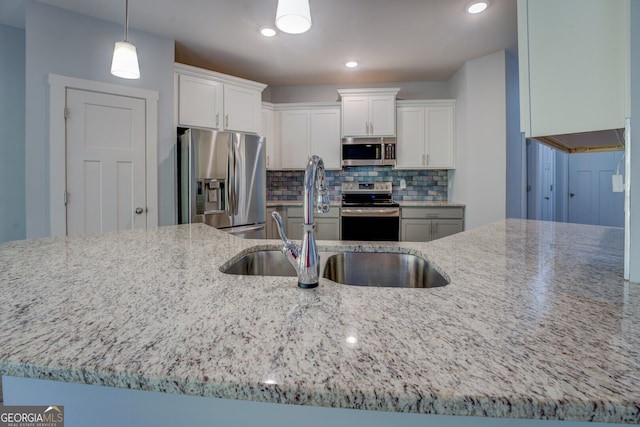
(367, 187)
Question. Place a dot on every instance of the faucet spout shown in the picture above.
(305, 258)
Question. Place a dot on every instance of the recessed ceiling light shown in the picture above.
(477, 7)
(267, 31)
(351, 64)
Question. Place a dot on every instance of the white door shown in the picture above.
(105, 162)
(547, 180)
(541, 177)
(591, 196)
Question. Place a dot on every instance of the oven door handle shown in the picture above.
(369, 212)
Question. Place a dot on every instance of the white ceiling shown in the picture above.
(394, 41)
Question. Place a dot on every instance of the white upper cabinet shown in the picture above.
(426, 134)
(199, 102)
(573, 62)
(211, 100)
(271, 132)
(308, 129)
(242, 109)
(368, 112)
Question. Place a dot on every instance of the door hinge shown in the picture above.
(528, 188)
(66, 198)
(66, 113)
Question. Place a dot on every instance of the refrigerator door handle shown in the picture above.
(229, 181)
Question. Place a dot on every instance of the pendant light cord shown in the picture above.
(126, 21)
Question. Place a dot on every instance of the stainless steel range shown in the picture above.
(369, 212)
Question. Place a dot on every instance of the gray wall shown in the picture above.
(516, 182)
(74, 45)
(12, 87)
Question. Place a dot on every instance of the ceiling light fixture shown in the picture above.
(351, 64)
(477, 7)
(293, 16)
(267, 31)
(125, 57)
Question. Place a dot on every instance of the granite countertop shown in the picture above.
(537, 323)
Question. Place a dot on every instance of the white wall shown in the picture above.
(634, 158)
(12, 86)
(479, 180)
(74, 45)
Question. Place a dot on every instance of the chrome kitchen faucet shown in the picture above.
(305, 259)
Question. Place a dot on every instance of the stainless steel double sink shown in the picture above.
(385, 269)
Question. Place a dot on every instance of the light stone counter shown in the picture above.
(536, 323)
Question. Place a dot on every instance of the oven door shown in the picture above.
(370, 224)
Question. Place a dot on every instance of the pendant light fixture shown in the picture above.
(125, 56)
(293, 16)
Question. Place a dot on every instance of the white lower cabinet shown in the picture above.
(327, 224)
(271, 229)
(422, 224)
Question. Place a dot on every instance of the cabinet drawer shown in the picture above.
(298, 212)
(428, 213)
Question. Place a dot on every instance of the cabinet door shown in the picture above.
(573, 64)
(272, 141)
(382, 115)
(440, 141)
(325, 136)
(327, 228)
(445, 227)
(294, 228)
(355, 115)
(416, 230)
(199, 102)
(241, 109)
(411, 138)
(295, 134)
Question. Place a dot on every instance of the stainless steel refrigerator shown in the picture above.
(222, 181)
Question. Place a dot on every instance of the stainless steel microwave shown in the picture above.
(368, 151)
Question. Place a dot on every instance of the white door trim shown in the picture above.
(57, 144)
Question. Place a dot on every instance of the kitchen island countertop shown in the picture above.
(536, 323)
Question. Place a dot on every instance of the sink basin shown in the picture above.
(262, 263)
(385, 269)
(382, 269)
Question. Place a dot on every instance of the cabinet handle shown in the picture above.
(217, 119)
(427, 160)
(371, 127)
(268, 161)
(366, 124)
(226, 121)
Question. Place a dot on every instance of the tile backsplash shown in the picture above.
(422, 185)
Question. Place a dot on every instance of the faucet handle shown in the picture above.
(322, 200)
(280, 225)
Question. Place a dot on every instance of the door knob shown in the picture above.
(139, 211)
(571, 194)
